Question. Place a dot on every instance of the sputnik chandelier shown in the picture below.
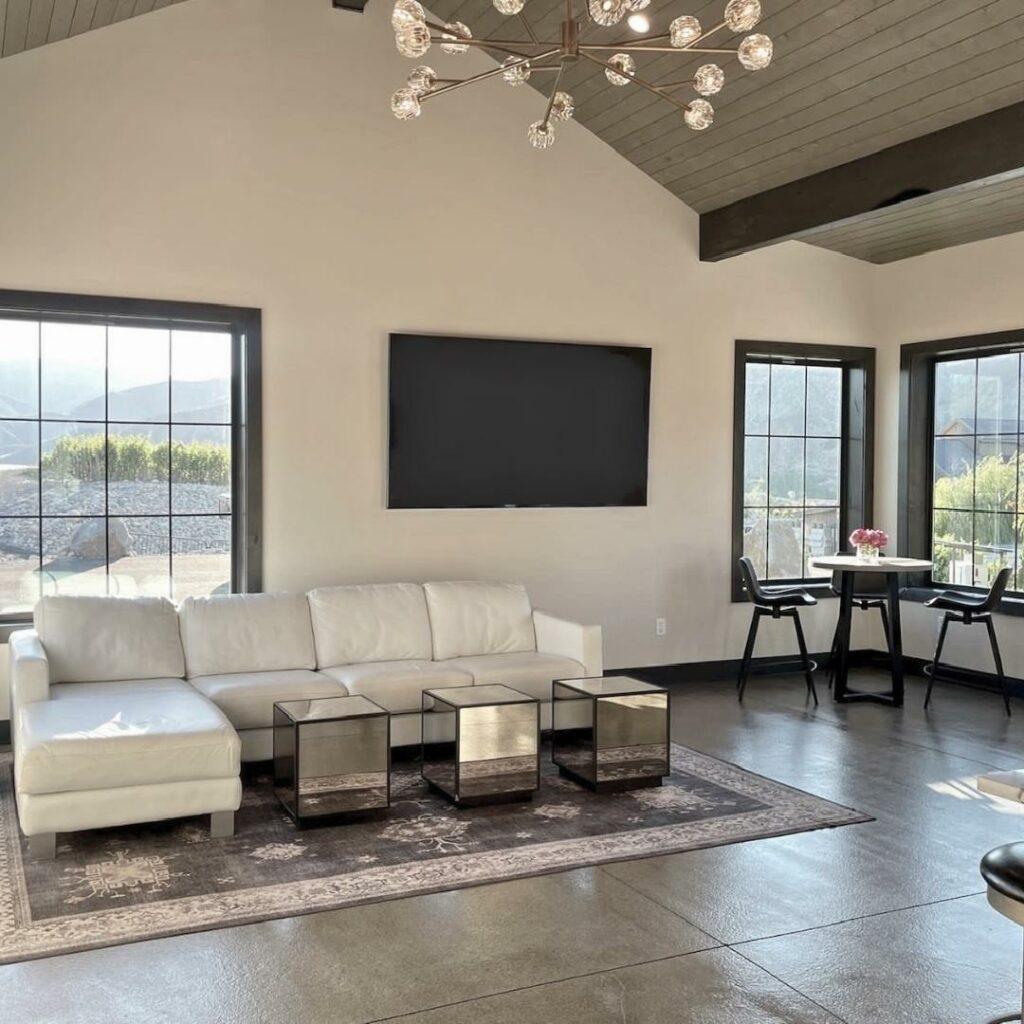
(414, 35)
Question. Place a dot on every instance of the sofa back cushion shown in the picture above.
(246, 633)
(479, 618)
(103, 639)
(374, 622)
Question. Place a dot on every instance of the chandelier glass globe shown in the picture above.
(742, 15)
(406, 13)
(541, 134)
(516, 70)
(708, 79)
(684, 31)
(608, 12)
(455, 30)
(509, 7)
(699, 115)
(422, 79)
(405, 104)
(624, 62)
(563, 106)
(413, 40)
(755, 52)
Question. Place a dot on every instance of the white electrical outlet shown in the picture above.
(659, 627)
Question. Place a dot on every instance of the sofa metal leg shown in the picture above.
(222, 824)
(43, 847)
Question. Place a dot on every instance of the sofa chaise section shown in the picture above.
(246, 651)
(105, 730)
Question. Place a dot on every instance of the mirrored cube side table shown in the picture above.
(481, 744)
(612, 733)
(332, 757)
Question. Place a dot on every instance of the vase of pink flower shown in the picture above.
(869, 543)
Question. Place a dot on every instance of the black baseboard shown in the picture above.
(5, 734)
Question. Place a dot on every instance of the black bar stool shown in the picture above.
(776, 602)
(870, 591)
(1003, 871)
(968, 610)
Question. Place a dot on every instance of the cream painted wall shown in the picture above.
(241, 151)
(972, 289)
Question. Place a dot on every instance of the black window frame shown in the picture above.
(916, 451)
(245, 326)
(856, 473)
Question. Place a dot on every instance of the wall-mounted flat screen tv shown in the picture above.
(476, 423)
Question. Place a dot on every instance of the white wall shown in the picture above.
(972, 289)
(241, 151)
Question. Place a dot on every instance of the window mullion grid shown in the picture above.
(803, 483)
(974, 482)
(768, 480)
(106, 450)
(170, 465)
(39, 453)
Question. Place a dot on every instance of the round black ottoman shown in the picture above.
(1003, 871)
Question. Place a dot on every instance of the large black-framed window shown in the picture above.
(130, 450)
(961, 500)
(802, 455)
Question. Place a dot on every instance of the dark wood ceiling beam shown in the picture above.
(350, 5)
(986, 148)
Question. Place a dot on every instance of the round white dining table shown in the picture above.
(848, 566)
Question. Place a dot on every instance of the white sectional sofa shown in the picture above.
(128, 709)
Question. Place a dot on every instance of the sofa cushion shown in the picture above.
(524, 670)
(377, 622)
(91, 639)
(247, 698)
(397, 685)
(232, 633)
(479, 618)
(123, 687)
(110, 742)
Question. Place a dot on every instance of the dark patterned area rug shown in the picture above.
(121, 885)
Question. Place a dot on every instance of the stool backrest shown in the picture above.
(751, 584)
(998, 588)
(864, 583)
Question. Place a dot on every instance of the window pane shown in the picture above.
(786, 471)
(822, 474)
(19, 564)
(201, 469)
(74, 371)
(137, 470)
(785, 544)
(139, 374)
(821, 538)
(995, 475)
(824, 401)
(787, 399)
(954, 396)
(756, 401)
(998, 391)
(954, 472)
(74, 469)
(993, 546)
(202, 556)
(74, 556)
(140, 560)
(201, 382)
(19, 468)
(952, 535)
(19, 368)
(755, 471)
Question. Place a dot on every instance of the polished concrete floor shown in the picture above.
(881, 923)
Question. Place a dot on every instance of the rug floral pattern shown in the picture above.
(121, 885)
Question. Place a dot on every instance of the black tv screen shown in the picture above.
(504, 424)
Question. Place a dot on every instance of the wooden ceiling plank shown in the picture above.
(142, 7)
(103, 13)
(124, 10)
(847, 82)
(40, 16)
(3, 23)
(60, 22)
(16, 26)
(984, 147)
(81, 20)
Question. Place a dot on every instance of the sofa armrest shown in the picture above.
(570, 640)
(30, 670)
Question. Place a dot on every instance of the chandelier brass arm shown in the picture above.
(415, 34)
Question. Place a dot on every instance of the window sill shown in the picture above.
(1012, 606)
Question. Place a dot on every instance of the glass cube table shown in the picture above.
(610, 733)
(332, 757)
(481, 744)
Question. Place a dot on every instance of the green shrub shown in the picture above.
(134, 457)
